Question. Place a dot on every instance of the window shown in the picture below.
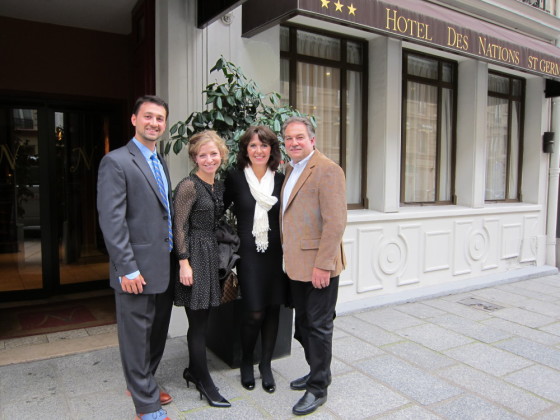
(325, 75)
(504, 137)
(428, 133)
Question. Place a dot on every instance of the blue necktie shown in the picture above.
(161, 187)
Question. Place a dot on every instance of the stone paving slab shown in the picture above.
(533, 351)
(470, 407)
(434, 337)
(538, 335)
(472, 329)
(540, 380)
(419, 356)
(524, 317)
(409, 380)
(486, 386)
(488, 359)
(425, 360)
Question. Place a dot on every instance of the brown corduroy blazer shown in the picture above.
(314, 220)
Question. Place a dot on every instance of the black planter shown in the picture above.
(224, 329)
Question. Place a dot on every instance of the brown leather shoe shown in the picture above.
(164, 397)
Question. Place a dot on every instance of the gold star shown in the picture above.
(325, 3)
(351, 9)
(338, 6)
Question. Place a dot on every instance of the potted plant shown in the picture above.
(233, 106)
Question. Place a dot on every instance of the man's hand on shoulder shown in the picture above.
(320, 278)
(135, 285)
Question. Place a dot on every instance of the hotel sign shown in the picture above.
(429, 24)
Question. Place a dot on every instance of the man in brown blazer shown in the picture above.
(313, 222)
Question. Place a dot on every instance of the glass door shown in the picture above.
(81, 138)
(20, 216)
(50, 240)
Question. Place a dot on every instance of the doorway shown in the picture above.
(50, 241)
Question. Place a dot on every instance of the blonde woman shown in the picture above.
(198, 205)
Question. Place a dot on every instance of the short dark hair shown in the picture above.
(266, 136)
(304, 120)
(153, 99)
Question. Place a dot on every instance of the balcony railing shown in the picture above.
(540, 4)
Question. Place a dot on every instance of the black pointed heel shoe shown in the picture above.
(218, 402)
(189, 377)
(247, 376)
(268, 383)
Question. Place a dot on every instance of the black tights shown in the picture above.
(265, 322)
(196, 340)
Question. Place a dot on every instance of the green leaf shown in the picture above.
(277, 126)
(218, 102)
(228, 120)
(219, 116)
(177, 147)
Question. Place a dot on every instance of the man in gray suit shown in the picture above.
(133, 200)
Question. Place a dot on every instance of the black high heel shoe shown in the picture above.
(268, 383)
(220, 402)
(247, 376)
(189, 377)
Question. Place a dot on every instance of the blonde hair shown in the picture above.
(204, 137)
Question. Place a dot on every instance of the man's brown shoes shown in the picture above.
(164, 397)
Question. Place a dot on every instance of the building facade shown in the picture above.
(440, 113)
(437, 113)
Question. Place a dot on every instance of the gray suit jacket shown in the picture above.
(133, 218)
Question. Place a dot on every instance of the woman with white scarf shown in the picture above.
(254, 189)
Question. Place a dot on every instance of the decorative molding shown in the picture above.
(437, 247)
(347, 277)
(368, 277)
(410, 234)
(511, 240)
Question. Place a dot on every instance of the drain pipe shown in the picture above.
(552, 248)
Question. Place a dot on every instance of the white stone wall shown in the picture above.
(425, 247)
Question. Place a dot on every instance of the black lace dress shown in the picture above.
(198, 207)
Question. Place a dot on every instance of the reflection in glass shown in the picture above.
(318, 94)
(20, 223)
(79, 139)
(421, 142)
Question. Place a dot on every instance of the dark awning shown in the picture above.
(416, 21)
(209, 11)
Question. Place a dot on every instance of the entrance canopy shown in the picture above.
(416, 21)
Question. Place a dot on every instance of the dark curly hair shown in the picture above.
(266, 136)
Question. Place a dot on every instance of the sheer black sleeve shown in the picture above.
(183, 201)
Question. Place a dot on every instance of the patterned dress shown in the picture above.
(198, 207)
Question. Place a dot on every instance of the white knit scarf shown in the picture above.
(262, 193)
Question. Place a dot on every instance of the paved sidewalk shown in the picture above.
(492, 353)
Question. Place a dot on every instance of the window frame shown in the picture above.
(440, 85)
(510, 97)
(344, 66)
